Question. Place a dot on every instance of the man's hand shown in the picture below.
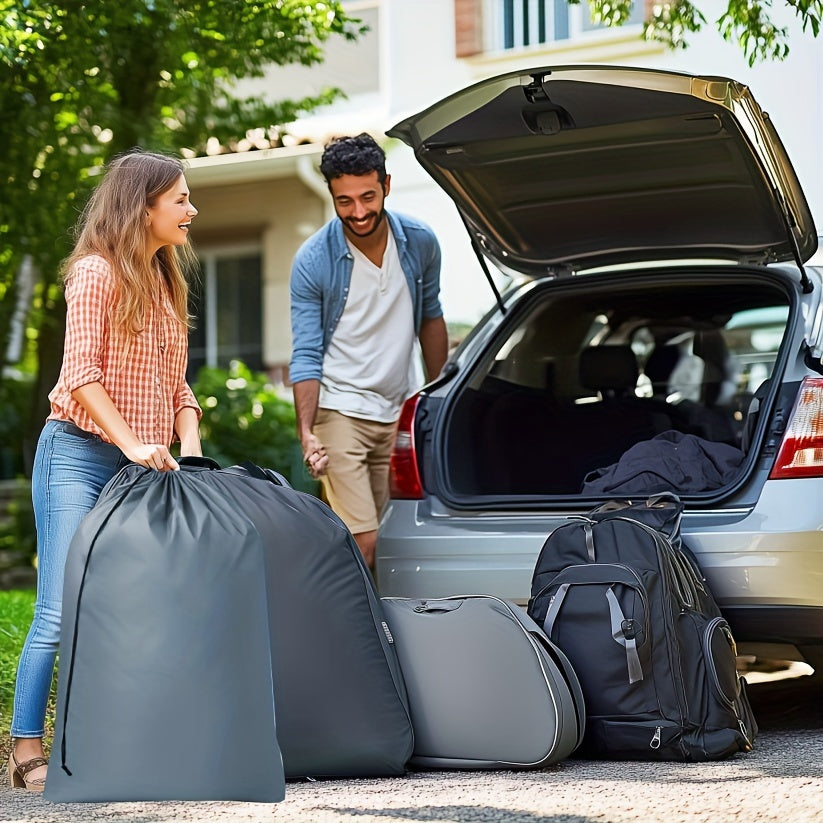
(314, 456)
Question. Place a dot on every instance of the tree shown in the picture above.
(747, 22)
(80, 82)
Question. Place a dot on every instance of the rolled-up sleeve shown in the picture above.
(306, 322)
(89, 303)
(184, 399)
(431, 280)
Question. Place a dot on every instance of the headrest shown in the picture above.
(661, 363)
(720, 372)
(710, 346)
(608, 368)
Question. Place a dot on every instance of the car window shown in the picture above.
(722, 363)
(753, 338)
(541, 351)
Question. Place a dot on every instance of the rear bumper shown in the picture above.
(764, 565)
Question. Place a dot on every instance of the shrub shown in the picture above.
(15, 406)
(245, 419)
(18, 542)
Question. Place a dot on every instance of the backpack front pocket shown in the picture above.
(598, 616)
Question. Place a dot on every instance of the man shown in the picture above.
(362, 288)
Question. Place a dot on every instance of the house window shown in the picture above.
(228, 310)
(518, 24)
(530, 22)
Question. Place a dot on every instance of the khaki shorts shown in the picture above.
(356, 483)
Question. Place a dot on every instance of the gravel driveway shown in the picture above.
(781, 780)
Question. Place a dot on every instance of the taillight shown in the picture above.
(801, 452)
(404, 478)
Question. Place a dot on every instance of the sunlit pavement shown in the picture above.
(790, 671)
(780, 781)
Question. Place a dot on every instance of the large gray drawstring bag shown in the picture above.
(342, 706)
(165, 686)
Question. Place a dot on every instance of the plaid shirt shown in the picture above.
(146, 380)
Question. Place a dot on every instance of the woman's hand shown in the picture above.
(94, 398)
(190, 446)
(153, 456)
(187, 429)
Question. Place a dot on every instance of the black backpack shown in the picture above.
(620, 595)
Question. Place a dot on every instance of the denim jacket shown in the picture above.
(319, 286)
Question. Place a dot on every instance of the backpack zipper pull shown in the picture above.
(655, 741)
(589, 536)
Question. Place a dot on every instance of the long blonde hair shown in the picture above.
(113, 225)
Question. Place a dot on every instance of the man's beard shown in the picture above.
(381, 215)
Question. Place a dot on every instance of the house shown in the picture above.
(259, 203)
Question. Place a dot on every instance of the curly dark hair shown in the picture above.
(353, 155)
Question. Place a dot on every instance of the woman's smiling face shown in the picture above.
(170, 216)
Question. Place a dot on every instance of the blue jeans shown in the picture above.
(71, 467)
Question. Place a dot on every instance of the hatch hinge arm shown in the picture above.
(483, 265)
(804, 278)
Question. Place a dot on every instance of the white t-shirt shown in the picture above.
(368, 366)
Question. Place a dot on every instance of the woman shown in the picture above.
(121, 395)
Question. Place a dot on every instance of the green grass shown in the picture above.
(16, 611)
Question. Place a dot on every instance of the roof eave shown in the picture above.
(250, 166)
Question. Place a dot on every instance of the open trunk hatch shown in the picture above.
(575, 167)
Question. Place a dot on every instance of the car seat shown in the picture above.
(720, 375)
(521, 445)
(604, 428)
(611, 371)
(720, 382)
(659, 367)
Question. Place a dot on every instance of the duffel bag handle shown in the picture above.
(251, 469)
(195, 462)
(258, 473)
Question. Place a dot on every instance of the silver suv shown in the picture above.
(664, 333)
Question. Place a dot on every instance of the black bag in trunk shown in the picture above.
(617, 592)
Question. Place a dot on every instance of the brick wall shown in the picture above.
(468, 27)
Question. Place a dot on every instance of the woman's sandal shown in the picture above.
(18, 772)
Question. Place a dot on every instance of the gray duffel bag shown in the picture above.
(165, 688)
(487, 689)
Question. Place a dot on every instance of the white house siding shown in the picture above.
(417, 65)
(790, 91)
